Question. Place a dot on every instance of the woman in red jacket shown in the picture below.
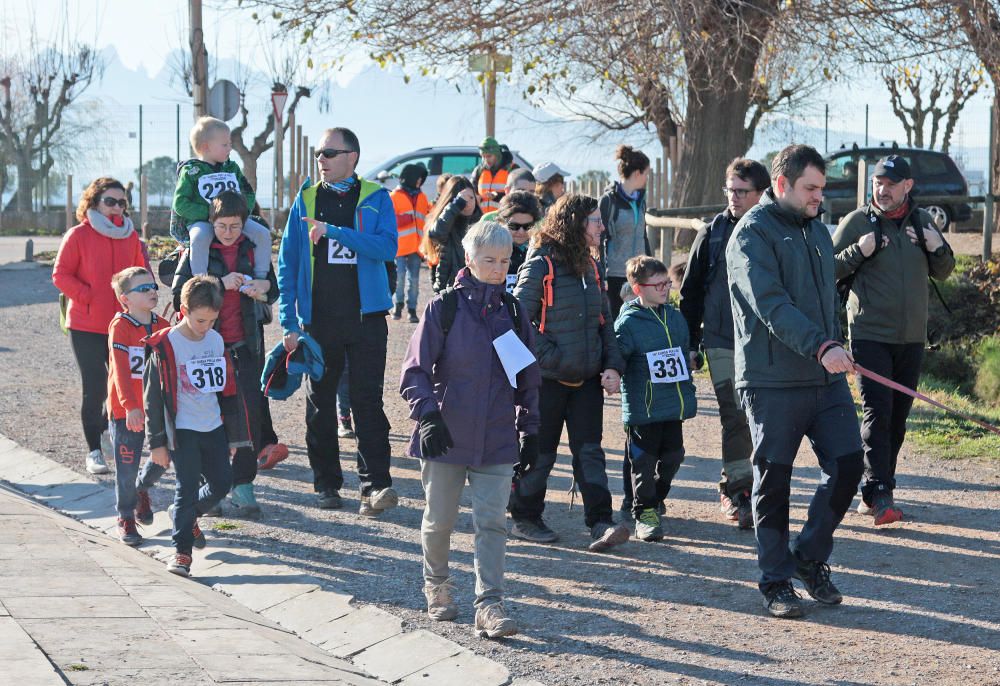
(101, 245)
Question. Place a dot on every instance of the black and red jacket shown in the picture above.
(159, 385)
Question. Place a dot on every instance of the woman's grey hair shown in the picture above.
(486, 235)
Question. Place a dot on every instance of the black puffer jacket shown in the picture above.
(447, 232)
(574, 345)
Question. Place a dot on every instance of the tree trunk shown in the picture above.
(26, 181)
(249, 167)
(995, 143)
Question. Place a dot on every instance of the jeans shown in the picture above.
(883, 427)
(91, 352)
(779, 418)
(249, 367)
(362, 345)
(128, 451)
(198, 454)
(582, 410)
(737, 446)
(490, 486)
(655, 452)
(408, 270)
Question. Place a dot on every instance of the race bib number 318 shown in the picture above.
(207, 375)
(667, 366)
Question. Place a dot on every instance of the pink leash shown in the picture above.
(878, 378)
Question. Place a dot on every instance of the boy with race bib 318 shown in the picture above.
(657, 392)
(199, 181)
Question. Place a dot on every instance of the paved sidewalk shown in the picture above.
(78, 606)
(12, 247)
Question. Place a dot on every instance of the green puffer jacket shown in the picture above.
(888, 300)
(784, 297)
(641, 330)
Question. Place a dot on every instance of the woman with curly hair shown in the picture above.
(454, 211)
(100, 246)
(561, 292)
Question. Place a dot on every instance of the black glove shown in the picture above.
(459, 202)
(529, 453)
(434, 437)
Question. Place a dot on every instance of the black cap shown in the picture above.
(413, 175)
(893, 166)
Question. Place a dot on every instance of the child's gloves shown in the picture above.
(435, 440)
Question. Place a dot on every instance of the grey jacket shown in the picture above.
(781, 278)
(625, 228)
(888, 300)
(575, 344)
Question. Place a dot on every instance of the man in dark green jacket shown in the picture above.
(887, 316)
(790, 376)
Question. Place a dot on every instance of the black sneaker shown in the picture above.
(744, 510)
(534, 530)
(782, 601)
(414, 319)
(144, 508)
(397, 312)
(330, 500)
(816, 578)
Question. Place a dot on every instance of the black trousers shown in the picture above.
(91, 353)
(248, 366)
(883, 426)
(582, 411)
(615, 301)
(363, 345)
(655, 452)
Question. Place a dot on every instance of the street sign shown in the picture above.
(481, 62)
(223, 100)
(478, 63)
(278, 100)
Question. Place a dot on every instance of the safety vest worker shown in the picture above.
(490, 177)
(411, 207)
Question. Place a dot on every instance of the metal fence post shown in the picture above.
(988, 203)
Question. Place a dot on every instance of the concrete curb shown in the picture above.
(368, 637)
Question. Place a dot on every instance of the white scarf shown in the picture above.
(105, 227)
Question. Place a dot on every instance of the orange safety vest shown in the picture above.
(410, 216)
(490, 183)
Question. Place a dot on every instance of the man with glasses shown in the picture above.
(519, 211)
(334, 286)
(705, 302)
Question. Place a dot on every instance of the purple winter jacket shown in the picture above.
(462, 376)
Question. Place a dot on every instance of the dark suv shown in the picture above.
(934, 174)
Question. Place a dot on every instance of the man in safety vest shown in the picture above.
(490, 177)
(411, 208)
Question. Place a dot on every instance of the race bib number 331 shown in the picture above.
(207, 375)
(667, 366)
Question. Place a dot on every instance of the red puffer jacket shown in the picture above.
(86, 262)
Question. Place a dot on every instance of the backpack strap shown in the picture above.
(922, 242)
(547, 291)
(449, 308)
(513, 309)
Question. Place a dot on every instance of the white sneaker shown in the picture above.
(96, 463)
(492, 622)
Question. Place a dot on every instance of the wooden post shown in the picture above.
(144, 206)
(310, 159)
(293, 171)
(862, 181)
(988, 205)
(70, 216)
(490, 95)
(300, 155)
(199, 62)
(279, 167)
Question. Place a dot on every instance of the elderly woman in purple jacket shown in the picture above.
(472, 423)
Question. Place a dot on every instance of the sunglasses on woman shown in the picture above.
(519, 227)
(111, 202)
(143, 288)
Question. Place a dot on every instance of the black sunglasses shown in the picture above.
(330, 153)
(111, 202)
(519, 227)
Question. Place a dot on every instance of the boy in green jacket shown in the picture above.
(199, 181)
(657, 392)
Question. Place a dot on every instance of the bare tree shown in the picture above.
(40, 89)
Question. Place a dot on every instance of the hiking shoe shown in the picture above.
(816, 578)
(180, 565)
(414, 319)
(346, 430)
(534, 530)
(884, 509)
(96, 463)
(199, 541)
(606, 536)
(397, 312)
(271, 455)
(440, 606)
(727, 506)
(127, 532)
(144, 508)
(492, 622)
(384, 498)
(744, 510)
(330, 500)
(781, 600)
(647, 526)
(244, 500)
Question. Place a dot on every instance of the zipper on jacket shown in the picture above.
(770, 350)
(670, 342)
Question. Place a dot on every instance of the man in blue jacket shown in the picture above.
(790, 375)
(333, 285)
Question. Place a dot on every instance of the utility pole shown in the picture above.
(491, 96)
(199, 62)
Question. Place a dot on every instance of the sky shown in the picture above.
(390, 117)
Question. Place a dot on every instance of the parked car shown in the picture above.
(934, 174)
(451, 159)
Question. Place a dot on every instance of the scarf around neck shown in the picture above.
(104, 226)
(342, 186)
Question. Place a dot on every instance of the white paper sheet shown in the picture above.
(514, 355)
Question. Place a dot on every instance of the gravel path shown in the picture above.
(920, 604)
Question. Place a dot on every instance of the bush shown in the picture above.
(973, 294)
(951, 364)
(988, 373)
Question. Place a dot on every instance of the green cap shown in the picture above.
(490, 144)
